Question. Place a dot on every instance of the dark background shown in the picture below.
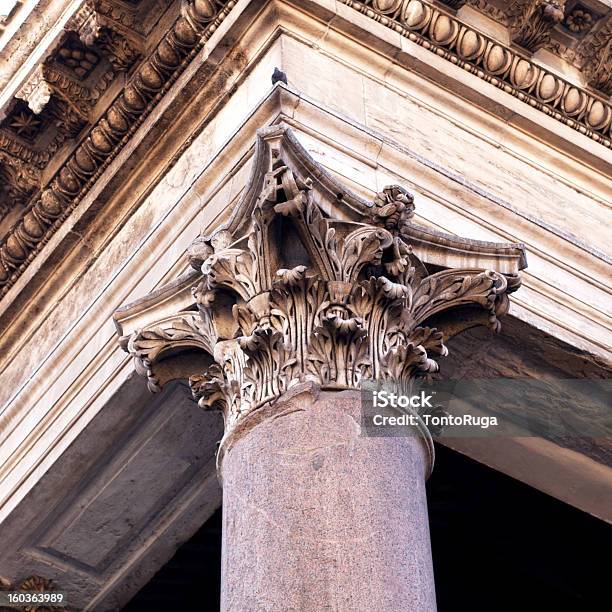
(498, 545)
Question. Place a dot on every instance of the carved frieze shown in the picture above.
(113, 29)
(288, 294)
(497, 64)
(586, 38)
(592, 54)
(53, 104)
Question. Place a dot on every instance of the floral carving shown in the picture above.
(121, 44)
(579, 20)
(149, 345)
(393, 208)
(594, 54)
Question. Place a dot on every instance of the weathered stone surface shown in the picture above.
(140, 481)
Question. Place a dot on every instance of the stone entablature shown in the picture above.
(110, 30)
(69, 87)
(579, 32)
(66, 362)
(66, 94)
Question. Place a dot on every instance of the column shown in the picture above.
(317, 516)
(296, 305)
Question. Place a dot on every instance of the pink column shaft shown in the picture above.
(319, 517)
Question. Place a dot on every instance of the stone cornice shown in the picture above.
(490, 60)
(68, 80)
(198, 20)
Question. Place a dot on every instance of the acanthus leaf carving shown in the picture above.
(19, 181)
(594, 55)
(296, 296)
(147, 346)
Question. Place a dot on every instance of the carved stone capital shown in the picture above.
(356, 307)
(289, 294)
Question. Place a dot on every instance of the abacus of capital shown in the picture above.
(304, 293)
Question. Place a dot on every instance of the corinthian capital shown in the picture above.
(289, 293)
